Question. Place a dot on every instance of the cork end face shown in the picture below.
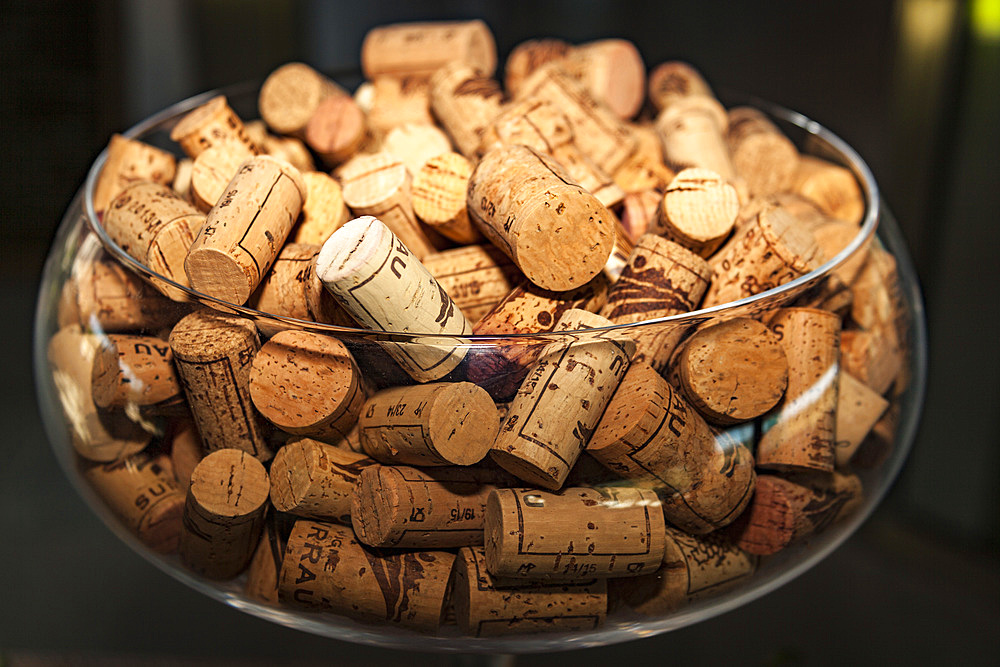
(558, 251)
(213, 272)
(289, 96)
(198, 117)
(466, 418)
(625, 86)
(337, 126)
(291, 474)
(376, 506)
(350, 248)
(230, 483)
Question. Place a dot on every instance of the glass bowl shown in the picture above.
(68, 334)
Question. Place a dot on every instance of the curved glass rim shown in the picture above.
(854, 163)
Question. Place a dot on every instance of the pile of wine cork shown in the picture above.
(494, 453)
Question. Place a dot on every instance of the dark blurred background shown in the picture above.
(913, 85)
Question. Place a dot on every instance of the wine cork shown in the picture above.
(245, 229)
(830, 293)
(96, 435)
(433, 424)
(880, 442)
(831, 187)
(289, 149)
(212, 171)
(308, 384)
(292, 288)
(336, 130)
(859, 407)
(649, 431)
(291, 95)
(136, 371)
(389, 102)
(878, 301)
(763, 157)
(527, 57)
(874, 357)
(223, 514)
(644, 169)
(440, 508)
(476, 277)
(265, 565)
(213, 354)
(597, 131)
(613, 72)
(693, 567)
(698, 211)
(673, 80)
(465, 101)
(420, 49)
(733, 371)
(803, 437)
(325, 568)
(130, 161)
(771, 251)
(834, 235)
(574, 535)
(156, 227)
(557, 233)
(660, 279)
(141, 491)
(182, 179)
(439, 189)
(692, 130)
(211, 124)
(560, 402)
(415, 144)
(323, 211)
(785, 511)
(361, 264)
(104, 295)
(488, 607)
(379, 185)
(315, 480)
(186, 450)
(639, 213)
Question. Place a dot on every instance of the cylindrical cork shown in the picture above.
(96, 435)
(527, 57)
(337, 129)
(560, 402)
(389, 102)
(315, 480)
(212, 171)
(182, 179)
(486, 606)
(880, 442)
(415, 144)
(323, 211)
(859, 407)
(649, 430)
(292, 288)
(265, 565)
(784, 511)
(644, 169)
(638, 215)
(379, 185)
(597, 131)
(245, 230)
(289, 149)
(831, 187)
(130, 161)
(698, 210)
(141, 491)
(574, 535)
(693, 568)
(213, 353)
(477, 277)
(186, 450)
(733, 371)
(441, 508)
(612, 71)
(874, 357)
(290, 96)
(439, 190)
(803, 437)
(764, 157)
(308, 384)
(834, 235)
(362, 264)
(156, 227)
(693, 130)
(772, 250)
(674, 80)
(435, 424)
(211, 124)
(224, 514)
(407, 49)
(136, 371)
(660, 279)
(557, 233)
(326, 568)
(465, 101)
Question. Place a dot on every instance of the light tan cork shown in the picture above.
(612, 71)
(265, 565)
(245, 230)
(874, 357)
(137, 371)
(435, 424)
(673, 80)
(307, 384)
(186, 450)
(644, 169)
(859, 407)
(557, 233)
(361, 264)
(698, 210)
(130, 161)
(292, 288)
(763, 157)
(326, 569)
(224, 514)
(212, 171)
(420, 49)
(575, 535)
(337, 129)
(415, 144)
(831, 187)
(803, 437)
(477, 277)
(465, 101)
(289, 149)
(211, 124)
(291, 95)
(692, 130)
(527, 57)
(315, 480)
(638, 213)
(323, 211)
(438, 192)
(486, 606)
(389, 102)
(213, 353)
